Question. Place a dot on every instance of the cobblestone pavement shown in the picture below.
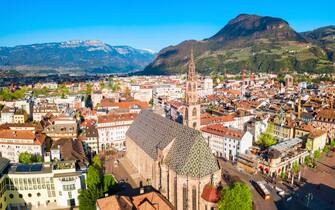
(113, 165)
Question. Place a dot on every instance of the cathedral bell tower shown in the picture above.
(192, 106)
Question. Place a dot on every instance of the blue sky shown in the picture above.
(144, 23)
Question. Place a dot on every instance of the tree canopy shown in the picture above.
(267, 139)
(25, 158)
(295, 167)
(7, 95)
(28, 158)
(236, 197)
(97, 184)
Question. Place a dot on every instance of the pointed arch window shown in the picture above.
(185, 197)
(186, 113)
(194, 112)
(194, 198)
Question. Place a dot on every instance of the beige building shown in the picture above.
(20, 116)
(282, 156)
(172, 158)
(112, 130)
(285, 129)
(62, 127)
(325, 120)
(42, 109)
(16, 139)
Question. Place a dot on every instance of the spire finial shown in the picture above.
(191, 66)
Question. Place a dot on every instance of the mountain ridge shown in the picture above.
(82, 56)
(262, 43)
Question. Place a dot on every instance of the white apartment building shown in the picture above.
(15, 140)
(48, 185)
(7, 115)
(42, 109)
(96, 98)
(50, 85)
(169, 91)
(143, 94)
(206, 87)
(112, 130)
(21, 104)
(227, 142)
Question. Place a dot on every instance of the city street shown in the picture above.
(259, 203)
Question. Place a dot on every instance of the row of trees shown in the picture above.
(28, 158)
(7, 95)
(97, 185)
(115, 86)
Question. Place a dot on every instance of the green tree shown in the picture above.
(93, 176)
(217, 78)
(295, 167)
(308, 161)
(37, 158)
(236, 197)
(332, 143)
(326, 149)
(282, 175)
(63, 90)
(317, 154)
(97, 185)
(109, 182)
(88, 198)
(25, 158)
(96, 162)
(7, 95)
(266, 140)
(88, 89)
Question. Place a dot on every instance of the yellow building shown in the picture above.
(316, 139)
(20, 116)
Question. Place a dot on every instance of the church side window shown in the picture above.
(185, 197)
(194, 198)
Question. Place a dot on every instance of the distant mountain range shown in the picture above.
(263, 44)
(73, 56)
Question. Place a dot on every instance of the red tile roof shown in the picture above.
(124, 104)
(175, 104)
(147, 201)
(36, 137)
(210, 194)
(220, 130)
(116, 117)
(206, 120)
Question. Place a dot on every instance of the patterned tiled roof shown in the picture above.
(189, 154)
